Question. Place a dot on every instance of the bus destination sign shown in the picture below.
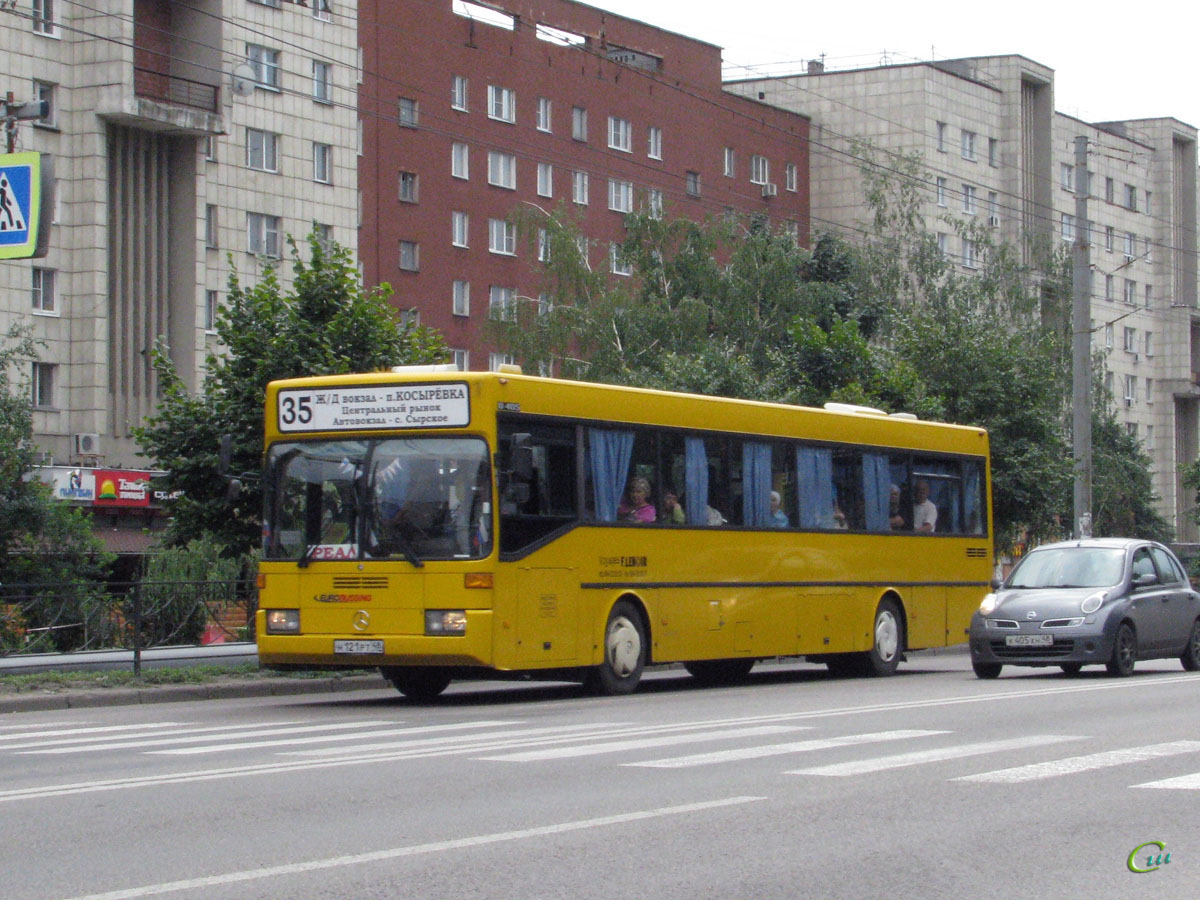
(369, 407)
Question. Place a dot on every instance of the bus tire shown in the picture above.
(418, 683)
(887, 640)
(719, 671)
(624, 653)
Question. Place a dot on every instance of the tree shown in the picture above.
(327, 325)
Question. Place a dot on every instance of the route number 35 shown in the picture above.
(295, 409)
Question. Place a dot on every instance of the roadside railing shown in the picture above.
(133, 616)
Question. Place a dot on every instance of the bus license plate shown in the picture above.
(358, 647)
(1029, 640)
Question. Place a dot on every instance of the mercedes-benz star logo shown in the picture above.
(361, 620)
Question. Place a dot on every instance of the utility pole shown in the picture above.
(1081, 345)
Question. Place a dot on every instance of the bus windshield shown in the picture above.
(412, 498)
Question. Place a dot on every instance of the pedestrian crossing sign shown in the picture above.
(20, 204)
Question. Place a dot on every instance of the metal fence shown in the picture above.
(133, 615)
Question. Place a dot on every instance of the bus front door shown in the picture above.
(547, 616)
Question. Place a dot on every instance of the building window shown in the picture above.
(1146, 210)
(941, 191)
(461, 359)
(1066, 176)
(1146, 246)
(210, 148)
(500, 304)
(993, 209)
(210, 226)
(943, 244)
(1130, 340)
(1130, 245)
(543, 245)
(462, 298)
(616, 261)
(322, 9)
(579, 188)
(458, 160)
(579, 123)
(760, 169)
(496, 360)
(545, 180)
(1131, 203)
(324, 235)
(581, 244)
(1110, 237)
(791, 179)
(1109, 287)
(940, 136)
(1068, 227)
(691, 183)
(1149, 293)
(459, 228)
(322, 83)
(1130, 291)
(1149, 343)
(458, 93)
(968, 145)
(502, 169)
(792, 230)
(654, 142)
(620, 195)
(969, 198)
(502, 237)
(410, 113)
(993, 152)
(43, 291)
(1108, 336)
(1109, 190)
(502, 104)
(409, 186)
(1130, 390)
(265, 63)
(620, 134)
(43, 17)
(262, 234)
(210, 311)
(323, 163)
(970, 254)
(48, 94)
(262, 150)
(42, 385)
(544, 114)
(410, 256)
(729, 164)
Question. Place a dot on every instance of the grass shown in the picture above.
(55, 682)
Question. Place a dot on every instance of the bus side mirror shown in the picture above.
(233, 489)
(225, 457)
(522, 457)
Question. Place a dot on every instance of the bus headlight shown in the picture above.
(445, 621)
(283, 621)
(989, 604)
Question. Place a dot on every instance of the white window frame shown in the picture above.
(462, 359)
(940, 136)
(502, 303)
(322, 163)
(43, 300)
(654, 142)
(970, 253)
(760, 169)
(691, 183)
(968, 142)
(545, 114)
(266, 65)
(262, 150)
(729, 162)
(579, 187)
(502, 104)
(616, 263)
(545, 179)
(458, 92)
(42, 17)
(460, 229)
(620, 134)
(1067, 227)
(262, 234)
(212, 300)
(1149, 345)
(620, 195)
(43, 376)
(502, 170)
(502, 237)
(1066, 177)
(460, 298)
(460, 159)
(408, 113)
(322, 81)
(322, 10)
(211, 237)
(1130, 339)
(496, 360)
(791, 177)
(579, 123)
(543, 245)
(1130, 289)
(970, 198)
(413, 193)
(941, 190)
(410, 256)
(1130, 389)
(654, 203)
(993, 152)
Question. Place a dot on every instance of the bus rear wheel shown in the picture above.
(624, 653)
(887, 640)
(417, 683)
(719, 671)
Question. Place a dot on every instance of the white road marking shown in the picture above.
(328, 738)
(1075, 764)
(899, 760)
(359, 859)
(742, 753)
(101, 730)
(669, 740)
(194, 738)
(1181, 783)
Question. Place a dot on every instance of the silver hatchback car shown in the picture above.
(1102, 601)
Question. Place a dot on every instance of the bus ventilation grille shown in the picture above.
(977, 553)
(360, 582)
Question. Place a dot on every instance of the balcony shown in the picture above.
(176, 91)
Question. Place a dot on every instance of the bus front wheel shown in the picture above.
(624, 652)
(416, 682)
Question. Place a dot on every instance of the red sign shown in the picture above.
(120, 487)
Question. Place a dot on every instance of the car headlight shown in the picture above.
(283, 621)
(445, 621)
(1092, 603)
(989, 604)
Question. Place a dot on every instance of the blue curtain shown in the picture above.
(756, 484)
(814, 474)
(609, 453)
(696, 479)
(944, 492)
(974, 523)
(877, 487)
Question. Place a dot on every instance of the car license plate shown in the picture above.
(358, 647)
(1029, 640)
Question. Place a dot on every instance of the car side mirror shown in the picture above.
(996, 583)
(1145, 580)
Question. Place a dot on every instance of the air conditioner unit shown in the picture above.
(769, 190)
(1136, 357)
(1129, 401)
(86, 443)
(994, 221)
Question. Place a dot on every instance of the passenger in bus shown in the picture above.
(635, 507)
(779, 518)
(839, 517)
(895, 519)
(924, 510)
(672, 511)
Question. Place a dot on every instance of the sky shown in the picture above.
(1127, 61)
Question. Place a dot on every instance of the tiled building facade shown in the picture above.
(997, 153)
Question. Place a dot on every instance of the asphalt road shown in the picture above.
(795, 785)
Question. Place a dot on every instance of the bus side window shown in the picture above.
(531, 510)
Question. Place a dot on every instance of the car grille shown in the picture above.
(1060, 647)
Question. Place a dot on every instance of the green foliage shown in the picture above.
(328, 324)
(1122, 493)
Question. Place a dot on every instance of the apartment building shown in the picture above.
(484, 109)
(999, 154)
(183, 136)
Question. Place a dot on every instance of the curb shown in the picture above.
(181, 693)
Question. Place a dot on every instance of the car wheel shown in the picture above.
(1071, 669)
(987, 670)
(415, 682)
(624, 652)
(887, 641)
(1191, 653)
(1124, 652)
(719, 671)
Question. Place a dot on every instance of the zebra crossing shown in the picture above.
(820, 750)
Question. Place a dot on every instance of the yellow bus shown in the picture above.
(440, 524)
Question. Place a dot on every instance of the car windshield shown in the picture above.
(1069, 567)
(410, 498)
